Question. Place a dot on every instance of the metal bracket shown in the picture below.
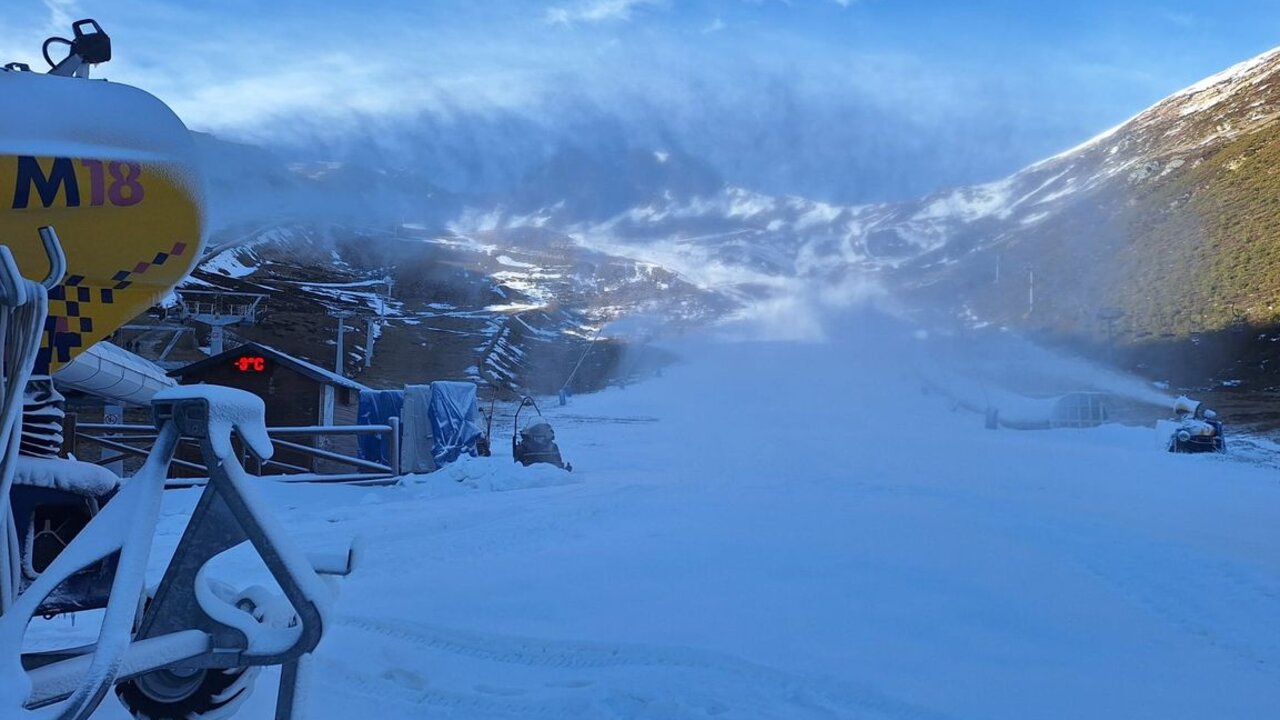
(176, 623)
(226, 516)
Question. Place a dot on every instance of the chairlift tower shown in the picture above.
(342, 317)
(375, 325)
(219, 310)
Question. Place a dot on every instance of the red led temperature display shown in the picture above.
(251, 363)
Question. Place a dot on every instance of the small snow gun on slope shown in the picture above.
(536, 442)
(1197, 429)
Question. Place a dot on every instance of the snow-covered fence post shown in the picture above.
(393, 446)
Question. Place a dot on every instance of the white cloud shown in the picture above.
(596, 11)
(333, 90)
(24, 25)
(62, 13)
(765, 103)
(1181, 19)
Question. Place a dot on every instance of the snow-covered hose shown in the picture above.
(20, 330)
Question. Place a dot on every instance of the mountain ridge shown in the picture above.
(1138, 224)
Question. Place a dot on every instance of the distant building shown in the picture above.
(296, 392)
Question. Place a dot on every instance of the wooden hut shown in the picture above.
(296, 392)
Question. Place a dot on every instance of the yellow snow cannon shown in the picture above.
(108, 174)
(113, 171)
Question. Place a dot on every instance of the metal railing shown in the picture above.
(205, 303)
(122, 441)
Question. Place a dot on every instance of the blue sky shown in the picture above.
(851, 100)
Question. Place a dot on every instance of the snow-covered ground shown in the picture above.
(792, 531)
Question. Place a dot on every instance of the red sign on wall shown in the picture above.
(250, 364)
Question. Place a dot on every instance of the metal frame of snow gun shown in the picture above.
(532, 448)
(525, 402)
(24, 305)
(186, 625)
(193, 628)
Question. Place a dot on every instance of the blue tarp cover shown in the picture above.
(377, 407)
(453, 420)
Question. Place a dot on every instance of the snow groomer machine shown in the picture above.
(102, 216)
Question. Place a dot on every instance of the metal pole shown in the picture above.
(590, 346)
(342, 316)
(342, 328)
(113, 414)
(394, 445)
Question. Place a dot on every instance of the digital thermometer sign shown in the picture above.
(250, 364)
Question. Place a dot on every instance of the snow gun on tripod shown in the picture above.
(536, 442)
(107, 210)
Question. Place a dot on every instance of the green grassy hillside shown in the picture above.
(1193, 249)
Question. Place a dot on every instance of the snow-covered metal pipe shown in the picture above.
(111, 372)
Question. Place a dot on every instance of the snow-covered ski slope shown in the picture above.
(788, 531)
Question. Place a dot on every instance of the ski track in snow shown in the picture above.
(1197, 595)
(743, 689)
(1202, 597)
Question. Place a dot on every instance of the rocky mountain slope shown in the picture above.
(516, 315)
(1161, 231)
(1164, 218)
